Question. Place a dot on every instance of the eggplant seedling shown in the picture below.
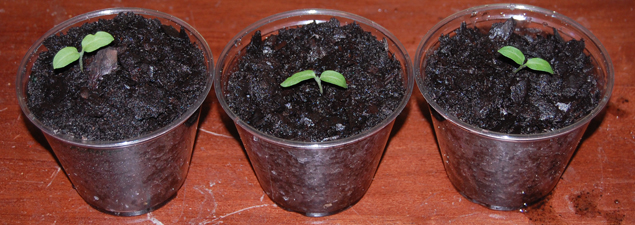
(90, 43)
(518, 57)
(328, 76)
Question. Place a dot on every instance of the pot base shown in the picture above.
(495, 207)
(135, 213)
(321, 214)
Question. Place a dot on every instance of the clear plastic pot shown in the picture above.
(133, 176)
(509, 171)
(312, 178)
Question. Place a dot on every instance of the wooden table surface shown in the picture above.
(410, 187)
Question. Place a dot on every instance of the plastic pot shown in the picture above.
(312, 178)
(509, 171)
(132, 176)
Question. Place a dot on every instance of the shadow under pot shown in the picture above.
(506, 130)
(315, 146)
(123, 122)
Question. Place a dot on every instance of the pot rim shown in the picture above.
(224, 56)
(516, 10)
(22, 78)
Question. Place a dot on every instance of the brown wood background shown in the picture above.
(410, 187)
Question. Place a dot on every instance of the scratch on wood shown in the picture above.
(192, 16)
(5, 108)
(154, 220)
(215, 134)
(183, 204)
(149, 217)
(368, 221)
(496, 216)
(425, 200)
(198, 188)
(232, 213)
(54, 176)
(213, 197)
(30, 181)
(137, 221)
(458, 217)
(200, 207)
(602, 157)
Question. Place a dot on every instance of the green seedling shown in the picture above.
(518, 57)
(90, 43)
(328, 76)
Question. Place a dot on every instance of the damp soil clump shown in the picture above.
(144, 80)
(472, 81)
(374, 77)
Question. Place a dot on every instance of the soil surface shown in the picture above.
(300, 112)
(471, 80)
(145, 79)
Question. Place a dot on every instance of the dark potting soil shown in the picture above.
(300, 112)
(468, 77)
(145, 79)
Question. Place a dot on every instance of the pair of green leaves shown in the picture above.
(90, 43)
(328, 76)
(518, 57)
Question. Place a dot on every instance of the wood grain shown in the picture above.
(410, 187)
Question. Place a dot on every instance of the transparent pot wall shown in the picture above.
(503, 174)
(314, 180)
(133, 176)
(129, 180)
(505, 171)
(321, 178)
